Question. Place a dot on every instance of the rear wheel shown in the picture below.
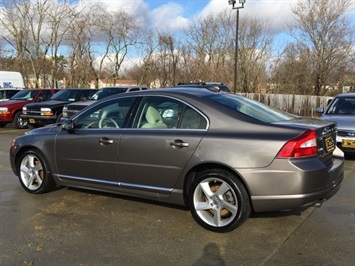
(34, 173)
(19, 123)
(219, 201)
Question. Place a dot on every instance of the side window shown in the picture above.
(159, 112)
(193, 120)
(44, 96)
(113, 114)
(86, 94)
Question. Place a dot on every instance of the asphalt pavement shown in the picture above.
(81, 227)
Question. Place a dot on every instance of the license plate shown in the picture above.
(32, 121)
(329, 144)
(348, 143)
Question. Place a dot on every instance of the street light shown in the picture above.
(233, 4)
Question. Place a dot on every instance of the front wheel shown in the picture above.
(19, 122)
(219, 201)
(33, 172)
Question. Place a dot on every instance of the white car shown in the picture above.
(342, 111)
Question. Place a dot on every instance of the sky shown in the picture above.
(172, 15)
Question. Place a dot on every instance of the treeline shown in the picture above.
(50, 40)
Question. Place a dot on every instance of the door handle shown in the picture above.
(104, 141)
(179, 144)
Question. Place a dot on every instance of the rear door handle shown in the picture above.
(105, 141)
(179, 144)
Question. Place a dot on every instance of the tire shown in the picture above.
(19, 123)
(33, 172)
(219, 201)
(3, 124)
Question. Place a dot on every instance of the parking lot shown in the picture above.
(80, 227)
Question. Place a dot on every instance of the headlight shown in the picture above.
(4, 111)
(46, 111)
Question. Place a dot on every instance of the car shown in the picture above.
(72, 108)
(6, 94)
(10, 110)
(49, 112)
(209, 85)
(341, 110)
(218, 153)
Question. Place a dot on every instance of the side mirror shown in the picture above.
(68, 125)
(320, 110)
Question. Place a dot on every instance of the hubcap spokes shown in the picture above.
(31, 172)
(215, 202)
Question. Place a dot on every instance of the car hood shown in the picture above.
(82, 103)
(342, 121)
(48, 104)
(53, 128)
(12, 102)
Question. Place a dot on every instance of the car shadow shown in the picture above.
(273, 214)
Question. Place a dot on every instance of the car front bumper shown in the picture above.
(39, 120)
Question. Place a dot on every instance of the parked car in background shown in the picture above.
(342, 111)
(72, 108)
(49, 112)
(10, 110)
(218, 153)
(6, 94)
(208, 85)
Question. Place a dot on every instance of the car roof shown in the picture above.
(345, 95)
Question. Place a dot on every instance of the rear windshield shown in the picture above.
(252, 108)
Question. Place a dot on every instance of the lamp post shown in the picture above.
(233, 4)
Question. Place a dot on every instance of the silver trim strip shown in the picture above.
(119, 184)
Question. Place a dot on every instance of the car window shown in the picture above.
(165, 113)
(66, 95)
(44, 95)
(112, 114)
(87, 94)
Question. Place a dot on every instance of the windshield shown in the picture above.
(24, 95)
(342, 106)
(107, 92)
(66, 95)
(252, 108)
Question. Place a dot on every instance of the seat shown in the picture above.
(154, 119)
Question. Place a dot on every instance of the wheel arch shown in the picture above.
(191, 175)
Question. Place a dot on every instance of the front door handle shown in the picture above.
(105, 141)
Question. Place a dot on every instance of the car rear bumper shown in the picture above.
(301, 183)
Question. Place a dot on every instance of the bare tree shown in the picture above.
(322, 30)
(211, 42)
(254, 52)
(12, 21)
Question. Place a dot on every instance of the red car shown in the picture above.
(10, 110)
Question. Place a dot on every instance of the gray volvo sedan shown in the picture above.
(218, 153)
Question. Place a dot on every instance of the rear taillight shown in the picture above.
(303, 145)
